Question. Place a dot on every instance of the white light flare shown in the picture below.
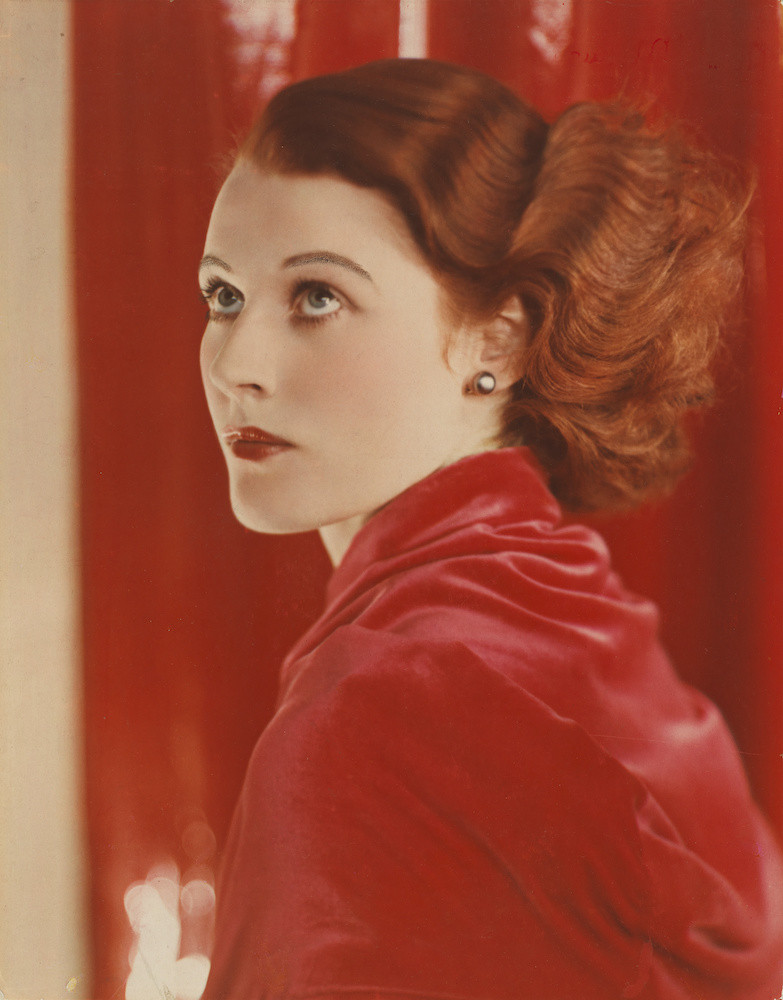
(552, 28)
(413, 29)
(161, 913)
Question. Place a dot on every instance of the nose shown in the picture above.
(237, 358)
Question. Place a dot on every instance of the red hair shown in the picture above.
(623, 245)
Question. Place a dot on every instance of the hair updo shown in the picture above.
(623, 245)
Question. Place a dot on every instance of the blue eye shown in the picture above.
(223, 300)
(226, 301)
(317, 301)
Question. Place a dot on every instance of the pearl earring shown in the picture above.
(484, 383)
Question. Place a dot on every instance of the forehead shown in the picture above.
(258, 212)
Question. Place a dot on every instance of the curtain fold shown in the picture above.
(187, 615)
(336, 34)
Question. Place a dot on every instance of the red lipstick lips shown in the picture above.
(253, 444)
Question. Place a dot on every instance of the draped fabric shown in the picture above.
(484, 780)
(186, 615)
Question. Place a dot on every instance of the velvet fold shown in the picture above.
(484, 780)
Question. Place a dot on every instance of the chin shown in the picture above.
(270, 512)
(268, 522)
(265, 508)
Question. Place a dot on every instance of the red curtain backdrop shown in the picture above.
(186, 614)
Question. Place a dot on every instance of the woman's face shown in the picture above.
(323, 358)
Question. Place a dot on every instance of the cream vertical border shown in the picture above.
(413, 29)
(42, 859)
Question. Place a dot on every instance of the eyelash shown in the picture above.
(208, 292)
(215, 284)
(304, 286)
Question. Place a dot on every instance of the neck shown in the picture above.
(338, 537)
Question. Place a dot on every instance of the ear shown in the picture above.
(496, 346)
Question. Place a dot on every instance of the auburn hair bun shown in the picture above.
(623, 243)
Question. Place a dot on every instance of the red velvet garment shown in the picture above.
(484, 781)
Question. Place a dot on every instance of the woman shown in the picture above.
(427, 309)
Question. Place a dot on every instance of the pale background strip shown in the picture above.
(41, 843)
(413, 29)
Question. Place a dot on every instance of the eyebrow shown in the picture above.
(299, 260)
(326, 257)
(209, 261)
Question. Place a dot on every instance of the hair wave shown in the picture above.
(623, 243)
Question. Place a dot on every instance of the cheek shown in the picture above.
(207, 353)
(204, 357)
(364, 387)
(386, 396)
(405, 374)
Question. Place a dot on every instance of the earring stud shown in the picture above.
(484, 383)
